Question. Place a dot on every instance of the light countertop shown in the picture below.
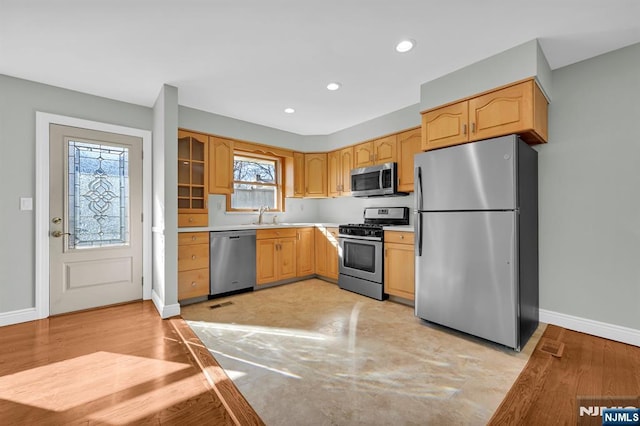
(255, 226)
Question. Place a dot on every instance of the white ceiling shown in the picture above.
(249, 59)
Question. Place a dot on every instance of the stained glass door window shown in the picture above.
(98, 195)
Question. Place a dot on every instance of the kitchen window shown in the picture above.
(256, 182)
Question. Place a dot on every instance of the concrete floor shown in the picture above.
(310, 353)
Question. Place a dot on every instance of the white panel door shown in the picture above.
(95, 208)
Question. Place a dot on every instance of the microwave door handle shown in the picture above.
(380, 179)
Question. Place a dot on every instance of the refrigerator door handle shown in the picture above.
(418, 233)
(417, 178)
(417, 211)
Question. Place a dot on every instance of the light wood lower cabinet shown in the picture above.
(399, 264)
(327, 252)
(193, 264)
(305, 252)
(275, 255)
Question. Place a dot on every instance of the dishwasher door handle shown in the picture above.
(235, 237)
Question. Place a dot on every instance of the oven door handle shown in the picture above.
(351, 237)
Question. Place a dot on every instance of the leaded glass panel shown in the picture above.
(98, 195)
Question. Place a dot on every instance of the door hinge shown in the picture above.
(141, 217)
(142, 281)
(142, 155)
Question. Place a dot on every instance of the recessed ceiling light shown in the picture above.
(289, 110)
(405, 45)
(334, 85)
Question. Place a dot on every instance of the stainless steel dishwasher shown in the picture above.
(232, 261)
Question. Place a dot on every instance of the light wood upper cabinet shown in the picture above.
(363, 155)
(315, 175)
(408, 145)
(346, 164)
(294, 170)
(399, 261)
(520, 108)
(298, 173)
(333, 173)
(339, 165)
(193, 177)
(445, 126)
(305, 252)
(220, 165)
(384, 150)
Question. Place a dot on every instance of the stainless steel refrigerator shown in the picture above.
(476, 224)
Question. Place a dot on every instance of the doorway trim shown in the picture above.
(43, 121)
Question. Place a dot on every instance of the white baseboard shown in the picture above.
(596, 328)
(165, 311)
(15, 317)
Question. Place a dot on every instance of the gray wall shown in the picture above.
(517, 63)
(206, 122)
(590, 191)
(19, 101)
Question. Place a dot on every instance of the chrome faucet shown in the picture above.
(261, 211)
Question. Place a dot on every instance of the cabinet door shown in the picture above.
(192, 172)
(321, 251)
(315, 169)
(286, 258)
(408, 145)
(298, 174)
(399, 270)
(221, 165)
(445, 126)
(346, 164)
(332, 253)
(384, 150)
(363, 155)
(305, 252)
(194, 283)
(194, 256)
(333, 174)
(266, 271)
(503, 112)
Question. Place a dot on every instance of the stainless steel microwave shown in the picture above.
(375, 181)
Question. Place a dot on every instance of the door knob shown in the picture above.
(58, 234)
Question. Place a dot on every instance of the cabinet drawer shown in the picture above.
(186, 220)
(188, 238)
(193, 283)
(398, 237)
(262, 234)
(193, 257)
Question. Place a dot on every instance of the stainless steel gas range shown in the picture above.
(361, 246)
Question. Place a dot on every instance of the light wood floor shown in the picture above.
(547, 390)
(116, 365)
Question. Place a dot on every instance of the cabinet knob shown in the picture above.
(464, 129)
(194, 238)
(190, 219)
(473, 127)
(193, 257)
(402, 237)
(193, 284)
